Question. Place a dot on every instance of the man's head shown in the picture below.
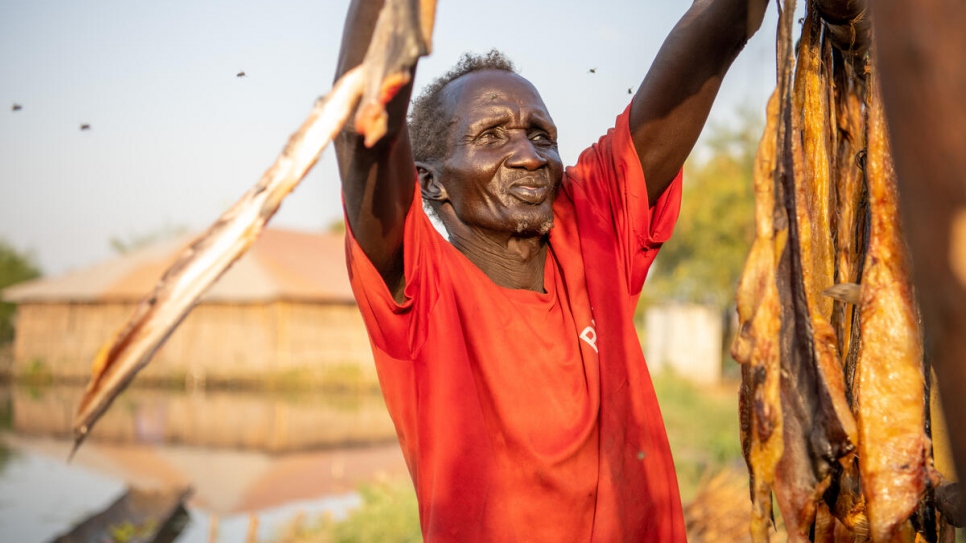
(427, 120)
(486, 149)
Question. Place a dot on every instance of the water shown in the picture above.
(44, 497)
(243, 454)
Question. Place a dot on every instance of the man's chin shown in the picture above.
(534, 227)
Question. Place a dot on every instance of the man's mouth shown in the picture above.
(530, 193)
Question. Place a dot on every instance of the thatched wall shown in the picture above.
(216, 342)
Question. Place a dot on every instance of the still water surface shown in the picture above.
(243, 453)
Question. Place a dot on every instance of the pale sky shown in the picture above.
(176, 137)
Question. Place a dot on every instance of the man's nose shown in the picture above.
(523, 153)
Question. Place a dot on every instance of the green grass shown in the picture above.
(702, 428)
(345, 377)
(348, 377)
(702, 425)
(37, 372)
(388, 514)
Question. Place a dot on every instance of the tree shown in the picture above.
(702, 262)
(15, 267)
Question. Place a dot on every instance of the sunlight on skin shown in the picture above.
(957, 246)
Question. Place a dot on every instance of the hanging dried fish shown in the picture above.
(819, 427)
(853, 462)
(923, 80)
(756, 345)
(894, 452)
(208, 257)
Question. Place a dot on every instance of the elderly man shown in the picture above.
(507, 354)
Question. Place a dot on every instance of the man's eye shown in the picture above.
(488, 136)
(541, 137)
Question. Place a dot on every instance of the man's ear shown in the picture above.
(429, 182)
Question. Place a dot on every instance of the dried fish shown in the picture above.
(400, 38)
(208, 257)
(894, 451)
(756, 346)
(853, 462)
(819, 427)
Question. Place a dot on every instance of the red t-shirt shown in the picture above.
(528, 416)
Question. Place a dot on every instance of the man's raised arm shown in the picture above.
(672, 105)
(377, 183)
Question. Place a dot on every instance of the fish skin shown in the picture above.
(404, 29)
(842, 475)
(794, 482)
(849, 293)
(208, 257)
(813, 199)
(849, 142)
(756, 346)
(923, 94)
(894, 450)
(813, 210)
(400, 38)
(819, 426)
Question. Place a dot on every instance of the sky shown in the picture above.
(176, 137)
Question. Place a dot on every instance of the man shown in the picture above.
(507, 354)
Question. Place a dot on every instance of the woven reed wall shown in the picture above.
(230, 342)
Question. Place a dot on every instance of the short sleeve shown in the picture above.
(398, 329)
(608, 182)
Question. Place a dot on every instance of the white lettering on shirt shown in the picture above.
(590, 336)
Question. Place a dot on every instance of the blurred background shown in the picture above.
(128, 127)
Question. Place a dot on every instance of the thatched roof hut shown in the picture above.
(284, 310)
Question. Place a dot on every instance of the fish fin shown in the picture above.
(844, 292)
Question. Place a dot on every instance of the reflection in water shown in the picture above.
(241, 452)
(219, 419)
(6, 423)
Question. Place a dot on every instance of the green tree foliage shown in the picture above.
(15, 266)
(702, 262)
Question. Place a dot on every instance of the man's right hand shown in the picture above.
(377, 168)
